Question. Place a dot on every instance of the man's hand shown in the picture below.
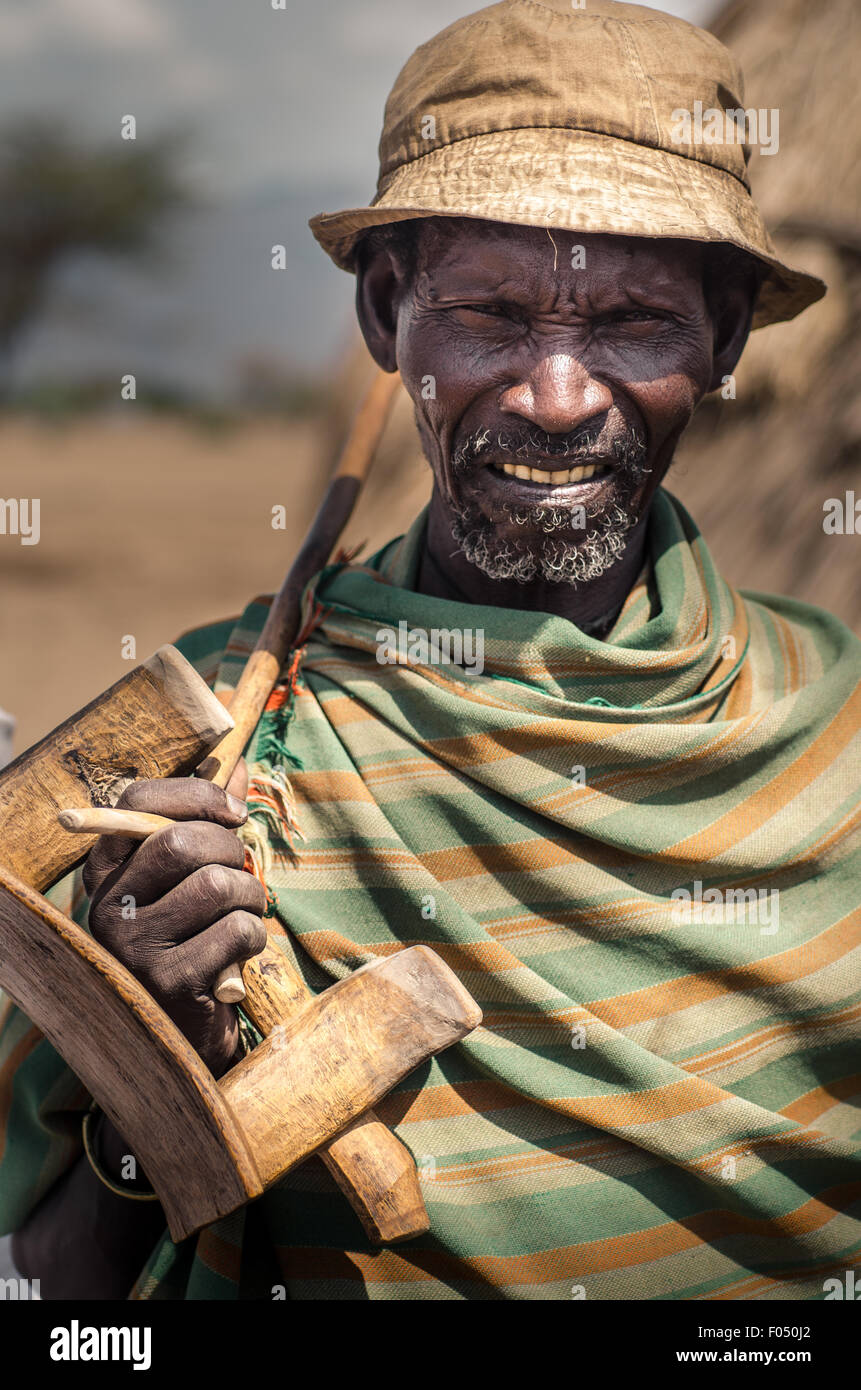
(176, 909)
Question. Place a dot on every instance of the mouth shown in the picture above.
(524, 483)
(553, 477)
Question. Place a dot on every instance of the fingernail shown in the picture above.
(237, 807)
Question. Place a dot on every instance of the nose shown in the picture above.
(558, 395)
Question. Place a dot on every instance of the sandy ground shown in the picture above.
(147, 530)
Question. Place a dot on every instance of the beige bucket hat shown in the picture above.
(544, 114)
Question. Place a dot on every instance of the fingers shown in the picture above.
(178, 798)
(177, 909)
(194, 966)
(185, 798)
(171, 855)
(208, 894)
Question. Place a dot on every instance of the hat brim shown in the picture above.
(578, 181)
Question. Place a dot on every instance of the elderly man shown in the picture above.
(627, 827)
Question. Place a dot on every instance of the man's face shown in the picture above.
(552, 375)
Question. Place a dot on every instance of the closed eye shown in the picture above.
(637, 316)
(484, 310)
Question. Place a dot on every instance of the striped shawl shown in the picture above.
(637, 856)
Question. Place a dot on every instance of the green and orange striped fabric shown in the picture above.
(655, 1106)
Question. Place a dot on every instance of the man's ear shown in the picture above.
(732, 314)
(380, 282)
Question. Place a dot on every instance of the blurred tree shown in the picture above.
(58, 196)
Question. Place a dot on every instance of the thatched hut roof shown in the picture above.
(756, 471)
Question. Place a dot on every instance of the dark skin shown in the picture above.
(518, 340)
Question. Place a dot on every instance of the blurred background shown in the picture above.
(151, 257)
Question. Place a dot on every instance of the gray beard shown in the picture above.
(568, 554)
(557, 559)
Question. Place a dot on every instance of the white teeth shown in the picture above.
(540, 475)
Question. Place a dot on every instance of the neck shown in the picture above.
(591, 605)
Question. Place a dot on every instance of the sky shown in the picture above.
(283, 109)
(272, 95)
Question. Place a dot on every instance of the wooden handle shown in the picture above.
(273, 646)
(358, 1039)
(369, 1163)
(373, 1169)
(276, 640)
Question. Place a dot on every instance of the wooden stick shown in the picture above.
(263, 668)
(358, 1039)
(355, 1042)
(273, 647)
(374, 1170)
(97, 820)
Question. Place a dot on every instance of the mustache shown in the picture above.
(628, 451)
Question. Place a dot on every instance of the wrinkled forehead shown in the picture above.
(458, 249)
